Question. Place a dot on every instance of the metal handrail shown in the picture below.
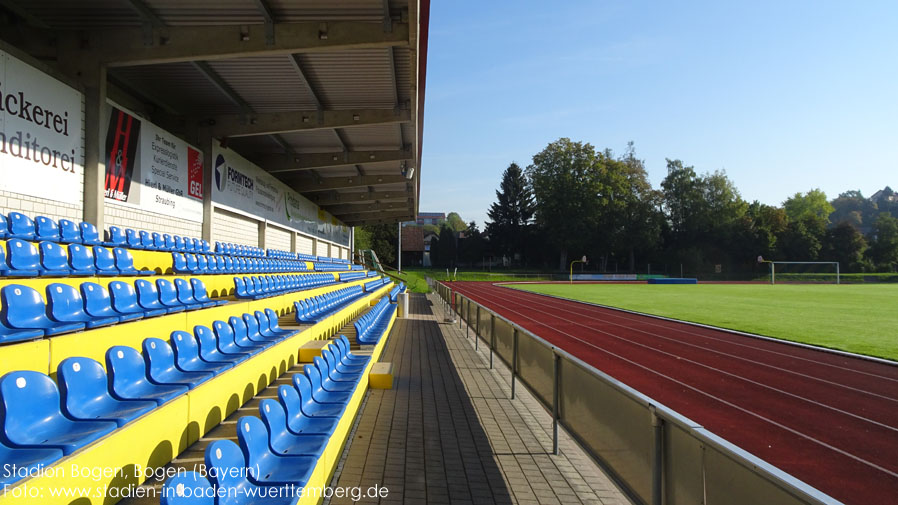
(661, 415)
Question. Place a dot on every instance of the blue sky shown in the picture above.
(785, 96)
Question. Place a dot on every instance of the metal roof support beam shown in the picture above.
(150, 20)
(281, 164)
(119, 47)
(20, 11)
(245, 125)
(268, 14)
(330, 183)
(334, 197)
(380, 220)
(346, 208)
(381, 216)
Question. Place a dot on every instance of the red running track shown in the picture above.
(829, 420)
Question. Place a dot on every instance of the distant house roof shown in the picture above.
(412, 239)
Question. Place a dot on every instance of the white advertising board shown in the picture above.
(151, 169)
(41, 150)
(241, 185)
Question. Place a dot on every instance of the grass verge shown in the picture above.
(854, 318)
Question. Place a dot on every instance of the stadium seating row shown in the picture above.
(371, 326)
(220, 264)
(230, 249)
(20, 258)
(41, 421)
(18, 225)
(376, 284)
(142, 239)
(44, 229)
(256, 288)
(281, 254)
(25, 316)
(316, 308)
(351, 276)
(282, 446)
(394, 293)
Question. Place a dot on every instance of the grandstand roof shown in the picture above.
(327, 96)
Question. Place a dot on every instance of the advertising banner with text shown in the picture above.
(41, 149)
(151, 169)
(241, 185)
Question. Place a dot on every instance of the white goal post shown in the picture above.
(773, 265)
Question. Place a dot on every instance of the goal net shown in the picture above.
(817, 272)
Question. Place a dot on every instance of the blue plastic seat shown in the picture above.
(188, 245)
(22, 259)
(348, 356)
(47, 229)
(281, 439)
(340, 381)
(105, 262)
(20, 226)
(89, 234)
(265, 467)
(306, 415)
(192, 265)
(211, 264)
(65, 305)
(168, 296)
(274, 325)
(85, 395)
(24, 309)
(238, 328)
(179, 263)
(81, 260)
(179, 244)
(202, 265)
(4, 226)
(115, 237)
(224, 334)
(130, 381)
(169, 242)
(261, 320)
(124, 300)
(253, 330)
(159, 242)
(187, 355)
(185, 295)
(347, 370)
(148, 298)
(333, 393)
(187, 488)
(25, 461)
(124, 262)
(209, 347)
(30, 409)
(240, 290)
(226, 467)
(69, 232)
(161, 365)
(146, 240)
(98, 304)
(54, 261)
(201, 295)
(133, 239)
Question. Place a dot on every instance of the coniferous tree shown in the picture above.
(512, 213)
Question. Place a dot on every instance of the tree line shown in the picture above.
(574, 200)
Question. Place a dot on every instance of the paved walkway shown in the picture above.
(447, 433)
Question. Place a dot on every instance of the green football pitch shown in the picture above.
(856, 318)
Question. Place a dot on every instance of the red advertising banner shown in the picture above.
(194, 173)
(121, 146)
